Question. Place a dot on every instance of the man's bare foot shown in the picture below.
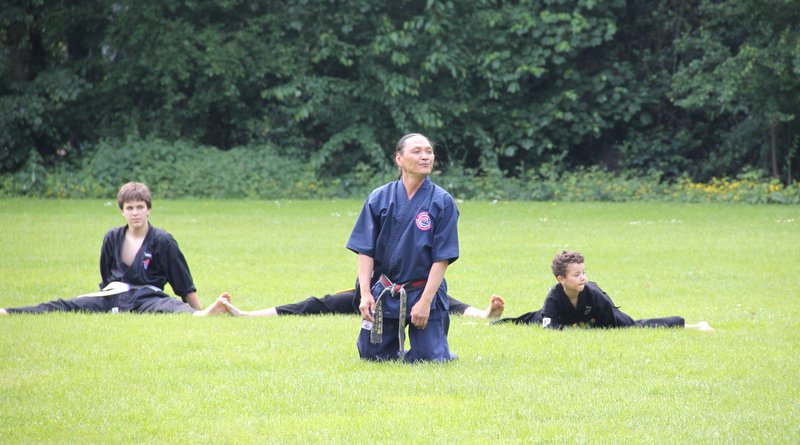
(217, 307)
(496, 307)
(3, 312)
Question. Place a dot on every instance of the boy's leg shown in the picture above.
(457, 307)
(430, 344)
(82, 304)
(387, 349)
(338, 303)
(161, 304)
(534, 317)
(494, 310)
(663, 322)
(623, 320)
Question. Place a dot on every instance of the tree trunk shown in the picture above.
(773, 136)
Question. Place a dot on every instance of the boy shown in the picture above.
(136, 262)
(576, 302)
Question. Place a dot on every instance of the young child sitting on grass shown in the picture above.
(576, 302)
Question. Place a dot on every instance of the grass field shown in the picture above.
(103, 378)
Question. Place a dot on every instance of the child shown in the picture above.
(136, 262)
(575, 302)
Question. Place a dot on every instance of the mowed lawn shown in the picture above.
(103, 378)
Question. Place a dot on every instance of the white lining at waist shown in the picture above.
(118, 287)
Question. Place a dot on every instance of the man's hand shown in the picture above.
(367, 306)
(420, 313)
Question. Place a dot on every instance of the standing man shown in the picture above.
(136, 261)
(405, 237)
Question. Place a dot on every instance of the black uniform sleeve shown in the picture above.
(106, 258)
(604, 315)
(551, 315)
(176, 267)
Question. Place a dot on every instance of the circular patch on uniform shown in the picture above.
(423, 221)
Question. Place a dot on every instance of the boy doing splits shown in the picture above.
(136, 262)
(576, 302)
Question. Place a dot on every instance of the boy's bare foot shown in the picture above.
(702, 326)
(3, 312)
(496, 307)
(217, 307)
(233, 310)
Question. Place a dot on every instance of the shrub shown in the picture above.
(180, 169)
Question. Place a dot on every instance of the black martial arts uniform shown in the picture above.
(159, 261)
(594, 310)
(344, 302)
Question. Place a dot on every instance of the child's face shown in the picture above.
(575, 279)
(136, 213)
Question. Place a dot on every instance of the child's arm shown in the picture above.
(551, 317)
(603, 308)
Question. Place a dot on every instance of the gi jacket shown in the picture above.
(159, 261)
(405, 238)
(594, 308)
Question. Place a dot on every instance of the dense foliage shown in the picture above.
(180, 169)
(680, 89)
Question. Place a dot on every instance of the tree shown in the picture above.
(741, 61)
(45, 71)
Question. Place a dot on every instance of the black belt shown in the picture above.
(376, 332)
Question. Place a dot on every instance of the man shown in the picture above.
(136, 262)
(405, 237)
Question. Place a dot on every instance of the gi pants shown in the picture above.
(625, 320)
(622, 320)
(429, 344)
(344, 302)
(130, 301)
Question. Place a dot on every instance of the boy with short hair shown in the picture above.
(136, 262)
(576, 302)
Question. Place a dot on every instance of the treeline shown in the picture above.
(677, 89)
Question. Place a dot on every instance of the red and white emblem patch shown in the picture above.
(423, 221)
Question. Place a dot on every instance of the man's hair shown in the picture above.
(402, 142)
(134, 191)
(563, 259)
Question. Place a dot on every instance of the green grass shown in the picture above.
(102, 378)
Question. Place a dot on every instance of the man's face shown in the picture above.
(136, 213)
(575, 279)
(417, 156)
